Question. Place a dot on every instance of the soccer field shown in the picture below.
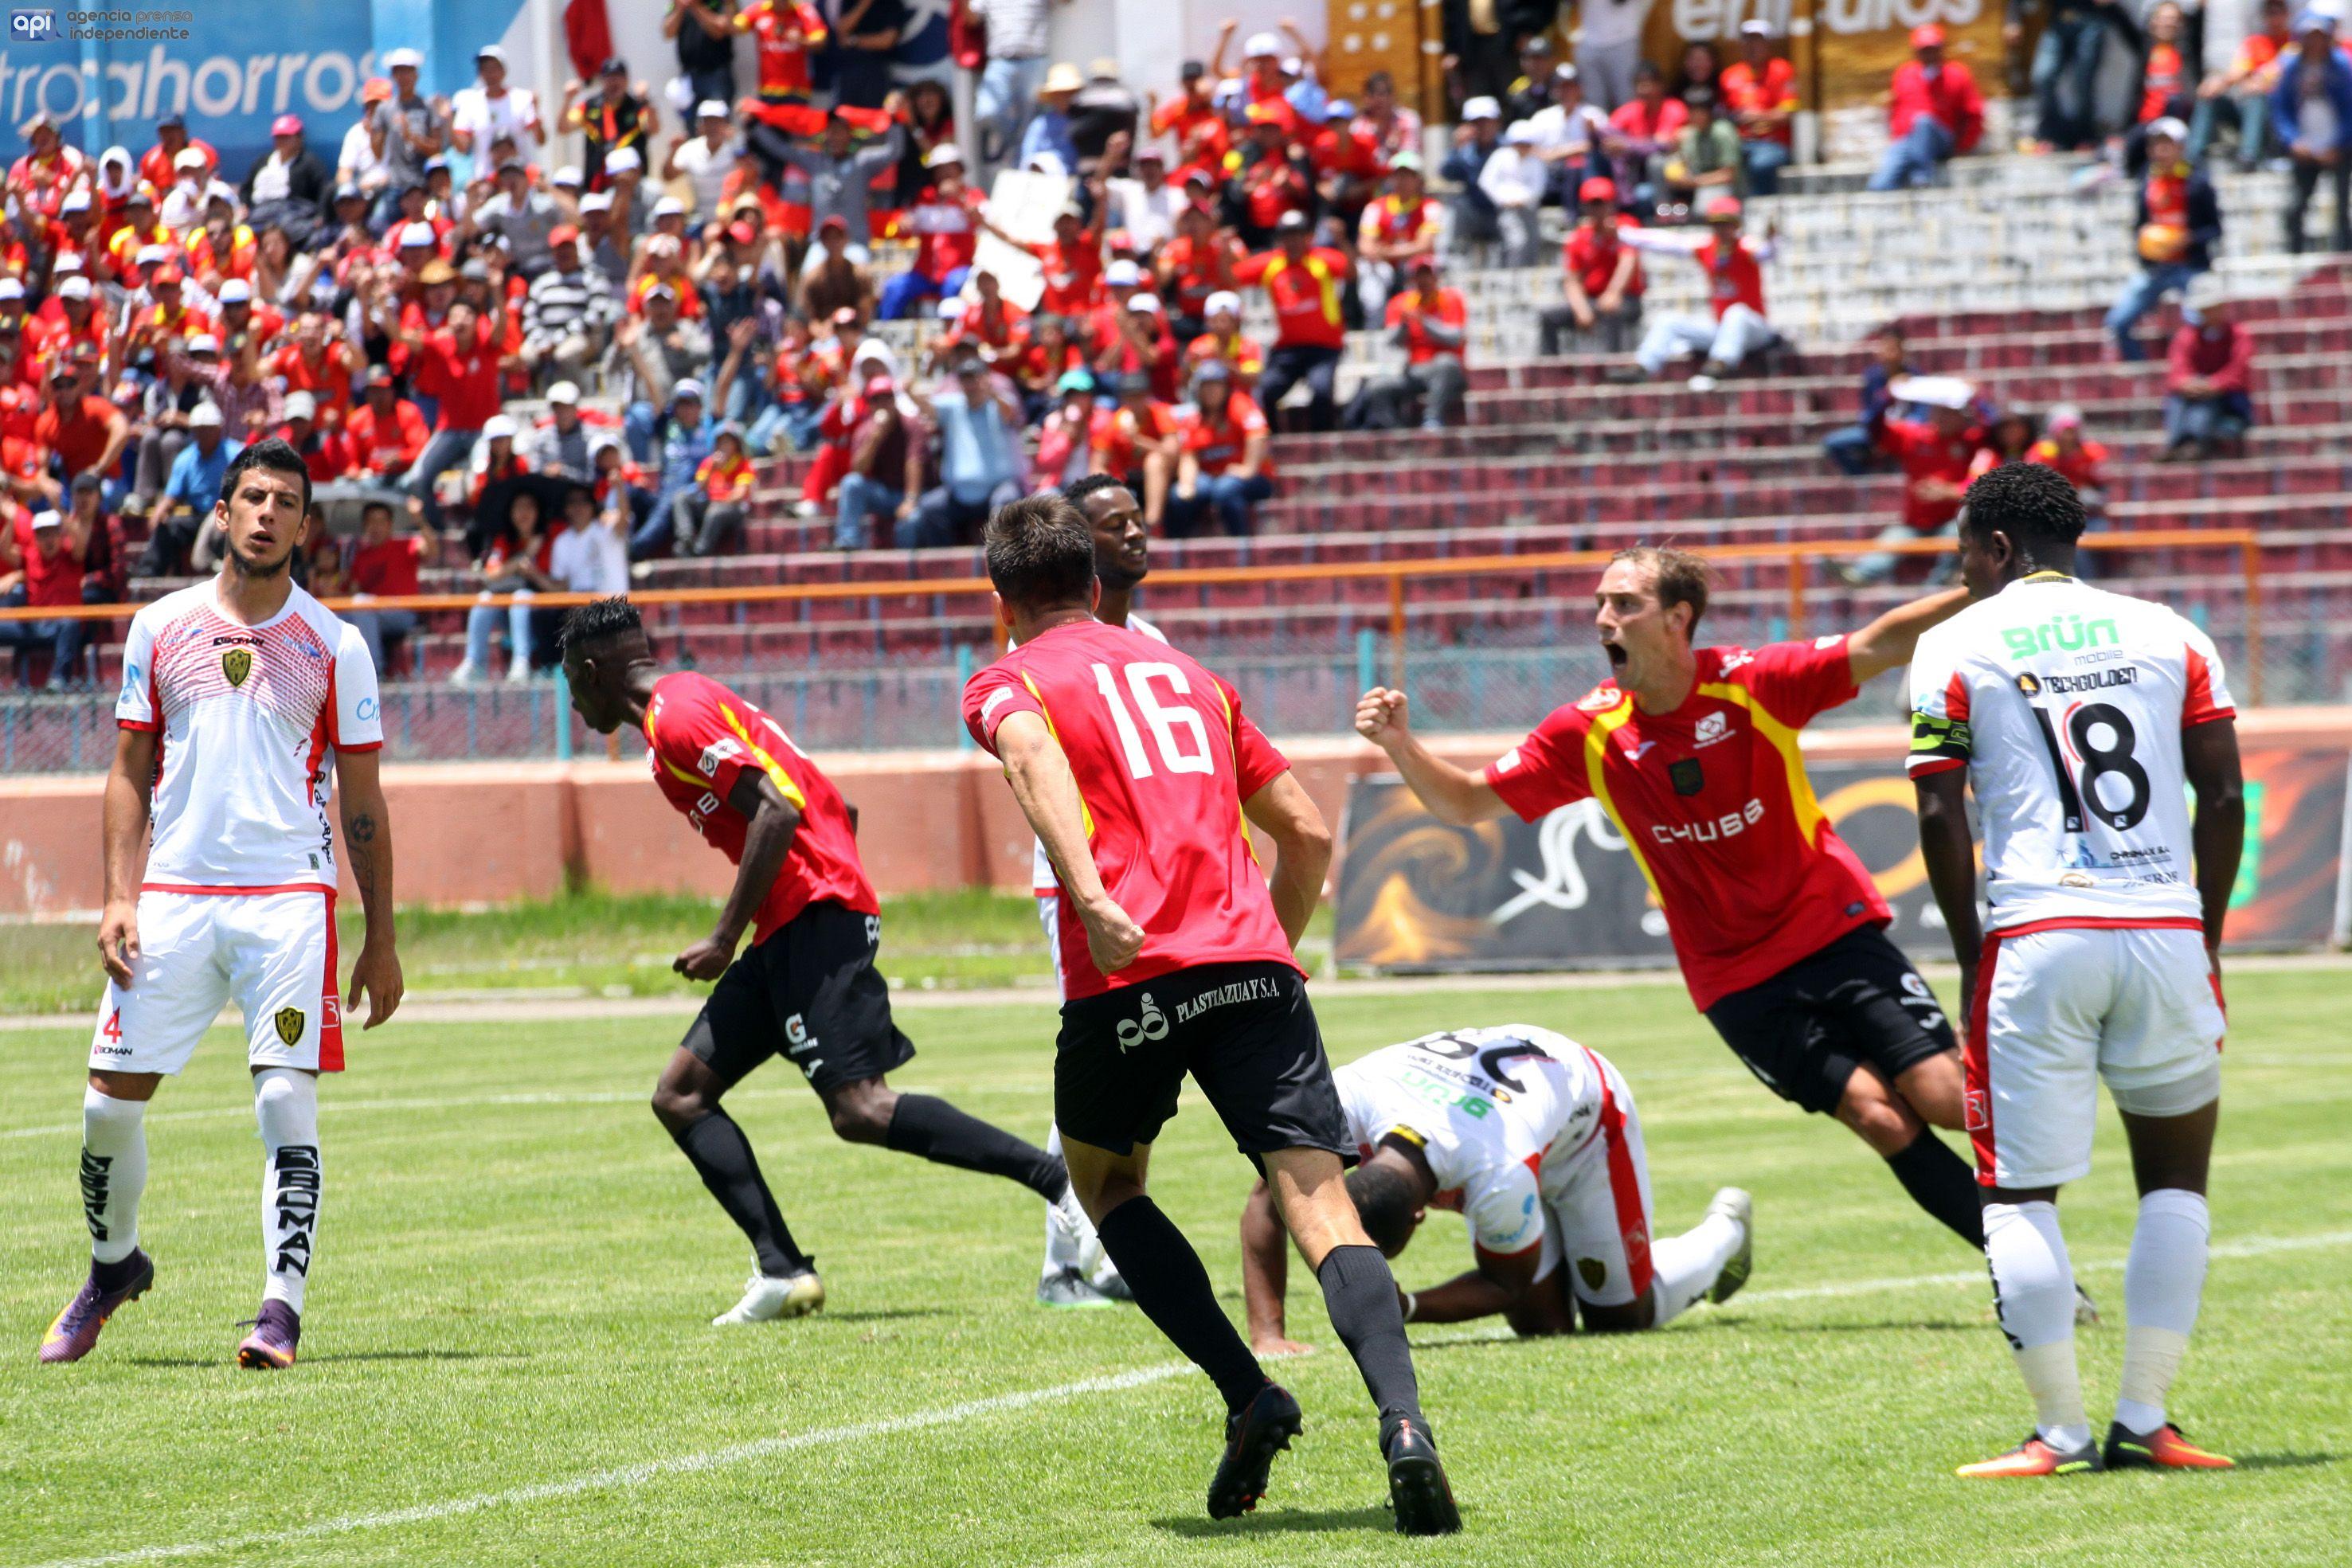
(505, 1359)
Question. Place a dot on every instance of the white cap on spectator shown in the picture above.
(398, 59)
(945, 153)
(711, 109)
(301, 405)
(500, 425)
(77, 200)
(568, 175)
(688, 387)
(1222, 299)
(151, 255)
(622, 161)
(1122, 274)
(1520, 134)
(235, 291)
(204, 343)
(2204, 292)
(680, 93)
(1140, 301)
(596, 202)
(10, 288)
(491, 52)
(564, 391)
(419, 233)
(189, 158)
(663, 245)
(1935, 391)
(1482, 108)
(2169, 125)
(47, 519)
(205, 415)
(660, 290)
(951, 309)
(75, 287)
(1261, 44)
(670, 207)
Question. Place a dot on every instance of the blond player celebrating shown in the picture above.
(242, 696)
(2082, 718)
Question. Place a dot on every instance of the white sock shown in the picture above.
(1687, 1266)
(2164, 1281)
(1062, 1251)
(286, 1103)
(113, 1172)
(2034, 1287)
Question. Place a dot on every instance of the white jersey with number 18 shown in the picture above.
(2066, 703)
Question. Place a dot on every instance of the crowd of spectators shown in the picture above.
(560, 371)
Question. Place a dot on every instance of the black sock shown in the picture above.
(928, 1125)
(115, 1275)
(1940, 1182)
(1361, 1294)
(1161, 1267)
(722, 1157)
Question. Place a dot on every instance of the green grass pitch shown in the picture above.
(506, 1360)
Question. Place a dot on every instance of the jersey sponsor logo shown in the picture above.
(96, 1187)
(2067, 633)
(1731, 824)
(1712, 727)
(717, 752)
(1507, 1241)
(1831, 641)
(236, 663)
(294, 1197)
(2118, 676)
(133, 680)
(1510, 759)
(2029, 682)
(367, 710)
(1151, 1024)
(1601, 698)
(1688, 776)
(1975, 1110)
(1261, 990)
(996, 699)
(289, 1024)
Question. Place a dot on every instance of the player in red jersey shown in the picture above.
(807, 989)
(1693, 753)
(1141, 776)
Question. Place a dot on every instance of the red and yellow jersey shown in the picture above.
(724, 478)
(1241, 356)
(1306, 295)
(231, 256)
(1118, 435)
(1773, 89)
(701, 738)
(1392, 220)
(1714, 805)
(1412, 311)
(1218, 445)
(2084, 465)
(786, 33)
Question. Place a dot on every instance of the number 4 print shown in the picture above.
(2098, 762)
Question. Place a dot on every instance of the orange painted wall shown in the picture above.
(476, 833)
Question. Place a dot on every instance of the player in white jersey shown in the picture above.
(1534, 1141)
(2082, 718)
(241, 697)
(1076, 1273)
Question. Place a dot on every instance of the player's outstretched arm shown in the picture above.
(1302, 851)
(1266, 1270)
(2208, 755)
(1495, 1287)
(1951, 858)
(770, 820)
(1048, 796)
(1887, 642)
(367, 844)
(1453, 794)
(127, 782)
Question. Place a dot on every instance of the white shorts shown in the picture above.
(1597, 1206)
(274, 952)
(1049, 915)
(2059, 1008)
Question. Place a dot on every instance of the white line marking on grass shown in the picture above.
(639, 1474)
(2253, 1247)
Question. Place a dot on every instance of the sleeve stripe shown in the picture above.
(1923, 766)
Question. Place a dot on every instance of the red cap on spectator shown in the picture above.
(164, 275)
(1722, 207)
(833, 221)
(563, 233)
(1930, 36)
(286, 125)
(879, 386)
(743, 233)
(1597, 188)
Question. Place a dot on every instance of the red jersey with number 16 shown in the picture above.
(1164, 759)
(1713, 804)
(703, 738)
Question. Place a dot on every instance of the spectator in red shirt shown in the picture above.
(709, 513)
(1192, 108)
(1142, 344)
(2083, 461)
(387, 430)
(106, 558)
(1266, 181)
(1065, 436)
(1735, 277)
(1759, 93)
(160, 166)
(1601, 278)
(1195, 267)
(947, 233)
(2209, 386)
(1303, 280)
(1349, 162)
(1430, 324)
(1394, 232)
(1221, 466)
(1072, 260)
(1933, 113)
(41, 568)
(1640, 133)
(518, 563)
(1934, 454)
(383, 567)
(38, 182)
(1220, 339)
(84, 430)
(460, 366)
(1137, 444)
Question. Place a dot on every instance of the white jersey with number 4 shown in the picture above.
(2066, 703)
(248, 721)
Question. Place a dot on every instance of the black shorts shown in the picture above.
(1245, 1033)
(1805, 1031)
(809, 992)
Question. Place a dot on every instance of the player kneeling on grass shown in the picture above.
(2082, 720)
(1138, 770)
(807, 989)
(241, 696)
(1534, 1139)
